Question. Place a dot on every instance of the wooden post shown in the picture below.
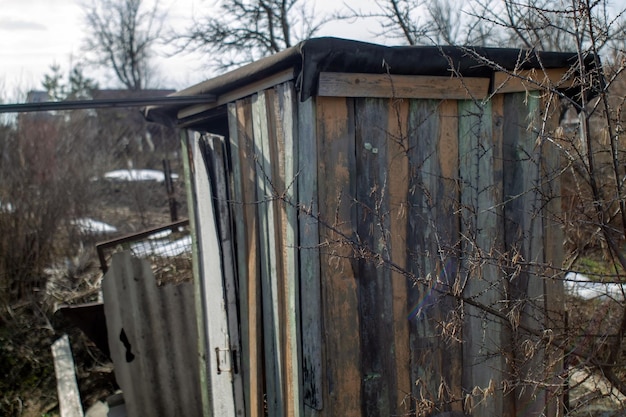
(67, 387)
(169, 187)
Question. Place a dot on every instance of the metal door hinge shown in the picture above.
(227, 360)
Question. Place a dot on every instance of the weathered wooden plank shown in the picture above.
(379, 384)
(311, 307)
(553, 232)
(285, 111)
(432, 244)
(483, 364)
(398, 165)
(335, 132)
(211, 274)
(426, 361)
(332, 84)
(67, 387)
(186, 142)
(532, 80)
(248, 256)
(446, 221)
(219, 180)
(269, 263)
(239, 93)
(276, 183)
(523, 232)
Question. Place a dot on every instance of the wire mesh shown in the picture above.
(167, 248)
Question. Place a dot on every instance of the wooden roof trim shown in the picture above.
(334, 84)
(246, 90)
(533, 79)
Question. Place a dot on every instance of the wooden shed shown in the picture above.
(377, 231)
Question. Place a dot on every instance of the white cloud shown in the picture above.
(10, 24)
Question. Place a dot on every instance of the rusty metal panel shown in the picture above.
(153, 339)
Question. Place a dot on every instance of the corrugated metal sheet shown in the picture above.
(153, 340)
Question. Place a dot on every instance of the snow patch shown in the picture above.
(6, 207)
(91, 226)
(161, 235)
(137, 175)
(581, 286)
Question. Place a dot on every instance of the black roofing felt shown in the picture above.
(313, 56)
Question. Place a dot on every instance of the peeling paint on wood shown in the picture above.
(419, 187)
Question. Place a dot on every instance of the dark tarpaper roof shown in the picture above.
(313, 56)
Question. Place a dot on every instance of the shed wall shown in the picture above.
(372, 236)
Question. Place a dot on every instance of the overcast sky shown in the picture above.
(34, 34)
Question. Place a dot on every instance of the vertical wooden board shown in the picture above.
(186, 141)
(553, 232)
(276, 230)
(285, 110)
(432, 247)
(310, 289)
(211, 273)
(446, 221)
(483, 364)
(523, 233)
(248, 258)
(220, 179)
(375, 294)
(272, 325)
(398, 166)
(335, 154)
(426, 360)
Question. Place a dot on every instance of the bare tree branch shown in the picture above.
(121, 37)
(244, 31)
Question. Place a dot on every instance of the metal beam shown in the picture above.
(106, 103)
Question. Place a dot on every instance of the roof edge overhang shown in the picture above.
(311, 57)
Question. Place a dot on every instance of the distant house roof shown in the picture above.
(35, 96)
(124, 93)
(311, 57)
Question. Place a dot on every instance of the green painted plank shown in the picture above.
(483, 364)
(310, 287)
(524, 229)
(266, 212)
(285, 111)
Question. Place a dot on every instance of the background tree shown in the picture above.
(120, 37)
(78, 86)
(542, 25)
(243, 31)
(422, 22)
